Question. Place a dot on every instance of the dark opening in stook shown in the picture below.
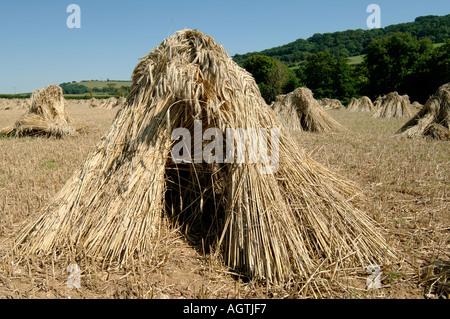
(195, 201)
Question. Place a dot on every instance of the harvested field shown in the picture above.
(406, 182)
(279, 224)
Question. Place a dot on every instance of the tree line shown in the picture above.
(79, 89)
(399, 62)
(353, 42)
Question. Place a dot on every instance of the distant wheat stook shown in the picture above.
(333, 104)
(279, 226)
(393, 105)
(363, 104)
(46, 116)
(300, 111)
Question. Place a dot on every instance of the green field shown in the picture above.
(86, 96)
(360, 58)
(104, 84)
(351, 60)
(355, 59)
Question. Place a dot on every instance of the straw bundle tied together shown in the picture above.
(286, 114)
(275, 226)
(110, 103)
(301, 111)
(363, 104)
(416, 107)
(46, 116)
(93, 102)
(433, 119)
(393, 105)
(328, 103)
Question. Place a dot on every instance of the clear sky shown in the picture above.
(37, 48)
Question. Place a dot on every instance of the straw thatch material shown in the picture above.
(416, 107)
(276, 226)
(120, 102)
(9, 104)
(436, 278)
(333, 104)
(46, 116)
(311, 116)
(393, 105)
(377, 103)
(5, 104)
(363, 104)
(107, 104)
(287, 114)
(110, 103)
(433, 119)
(93, 102)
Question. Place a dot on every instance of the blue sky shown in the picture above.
(37, 48)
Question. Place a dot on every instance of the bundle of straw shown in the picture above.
(120, 102)
(310, 115)
(433, 119)
(363, 104)
(286, 114)
(94, 102)
(333, 104)
(416, 107)
(393, 105)
(46, 116)
(275, 226)
(110, 103)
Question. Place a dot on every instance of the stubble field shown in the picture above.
(406, 183)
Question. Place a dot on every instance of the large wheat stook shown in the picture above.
(275, 226)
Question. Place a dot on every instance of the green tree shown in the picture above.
(353, 42)
(318, 74)
(344, 80)
(440, 64)
(260, 67)
(329, 76)
(272, 76)
(430, 72)
(73, 88)
(110, 88)
(122, 91)
(360, 80)
(391, 61)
